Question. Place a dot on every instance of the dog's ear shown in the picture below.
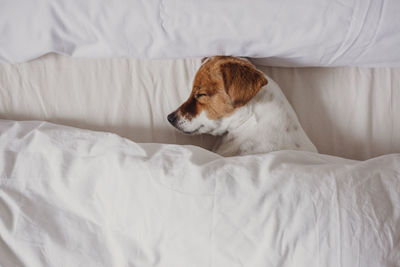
(242, 81)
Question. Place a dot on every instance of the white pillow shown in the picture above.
(287, 33)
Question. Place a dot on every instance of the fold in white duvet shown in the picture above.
(71, 197)
(287, 33)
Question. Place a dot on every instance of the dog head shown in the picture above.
(221, 86)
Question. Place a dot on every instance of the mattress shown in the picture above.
(350, 112)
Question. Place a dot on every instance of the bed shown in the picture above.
(92, 174)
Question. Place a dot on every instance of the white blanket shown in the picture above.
(293, 32)
(71, 197)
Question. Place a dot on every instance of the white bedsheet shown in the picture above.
(287, 33)
(347, 112)
(71, 197)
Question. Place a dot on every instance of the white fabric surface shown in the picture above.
(347, 112)
(293, 32)
(71, 197)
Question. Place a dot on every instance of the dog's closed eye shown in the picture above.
(197, 96)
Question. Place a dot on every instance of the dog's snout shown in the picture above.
(172, 118)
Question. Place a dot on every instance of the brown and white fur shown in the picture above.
(230, 97)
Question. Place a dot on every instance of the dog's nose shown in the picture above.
(172, 118)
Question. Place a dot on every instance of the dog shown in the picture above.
(230, 97)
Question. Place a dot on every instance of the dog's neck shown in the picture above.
(267, 123)
(240, 126)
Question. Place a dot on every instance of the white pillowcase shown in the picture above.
(283, 33)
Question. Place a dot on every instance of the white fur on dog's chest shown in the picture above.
(267, 123)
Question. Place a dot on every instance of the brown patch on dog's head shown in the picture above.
(221, 85)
